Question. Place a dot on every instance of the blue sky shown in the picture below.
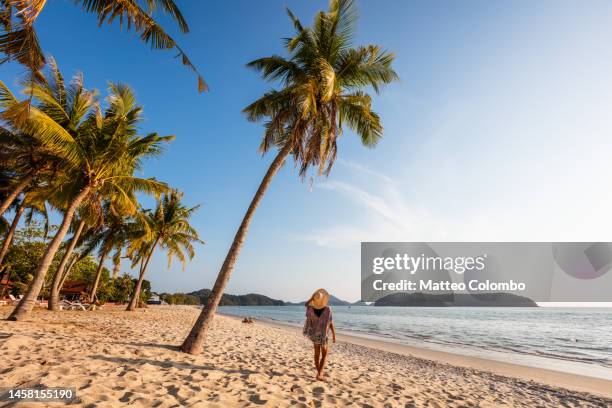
(500, 129)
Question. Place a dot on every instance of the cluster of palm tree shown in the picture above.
(80, 156)
(68, 152)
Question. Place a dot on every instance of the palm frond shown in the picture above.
(323, 81)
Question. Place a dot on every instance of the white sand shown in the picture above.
(116, 358)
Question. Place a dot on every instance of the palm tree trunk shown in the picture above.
(59, 273)
(116, 269)
(25, 306)
(66, 273)
(8, 281)
(16, 191)
(11, 232)
(94, 288)
(136, 294)
(195, 340)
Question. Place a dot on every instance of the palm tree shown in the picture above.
(27, 164)
(19, 41)
(30, 204)
(89, 240)
(323, 83)
(167, 227)
(117, 231)
(77, 227)
(88, 219)
(100, 149)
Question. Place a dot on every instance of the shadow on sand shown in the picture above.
(150, 345)
(171, 364)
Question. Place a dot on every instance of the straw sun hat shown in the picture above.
(319, 299)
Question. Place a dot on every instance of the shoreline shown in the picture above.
(570, 381)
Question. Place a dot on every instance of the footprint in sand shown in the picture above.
(126, 397)
(256, 399)
(317, 392)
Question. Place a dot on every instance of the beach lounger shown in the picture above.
(68, 305)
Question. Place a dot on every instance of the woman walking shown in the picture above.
(317, 326)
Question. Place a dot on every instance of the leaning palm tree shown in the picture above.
(168, 228)
(323, 83)
(78, 224)
(19, 42)
(76, 257)
(26, 163)
(101, 152)
(115, 234)
(88, 218)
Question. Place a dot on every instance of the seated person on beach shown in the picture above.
(317, 326)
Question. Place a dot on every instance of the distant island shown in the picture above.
(396, 299)
(251, 299)
(457, 299)
(255, 299)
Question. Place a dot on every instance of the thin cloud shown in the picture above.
(387, 216)
(365, 170)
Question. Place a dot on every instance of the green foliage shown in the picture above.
(167, 226)
(85, 270)
(179, 299)
(19, 40)
(24, 254)
(121, 289)
(29, 246)
(22, 258)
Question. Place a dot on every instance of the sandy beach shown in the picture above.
(113, 357)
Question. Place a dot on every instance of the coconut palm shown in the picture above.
(89, 240)
(88, 219)
(168, 228)
(27, 164)
(19, 41)
(323, 83)
(118, 230)
(101, 151)
(77, 227)
(29, 205)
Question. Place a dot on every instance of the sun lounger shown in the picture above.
(68, 305)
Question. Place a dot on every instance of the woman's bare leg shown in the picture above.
(317, 352)
(322, 361)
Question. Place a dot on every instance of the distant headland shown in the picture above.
(396, 299)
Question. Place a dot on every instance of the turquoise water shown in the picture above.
(566, 339)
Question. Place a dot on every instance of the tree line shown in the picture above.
(80, 155)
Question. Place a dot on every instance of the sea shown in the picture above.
(572, 340)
